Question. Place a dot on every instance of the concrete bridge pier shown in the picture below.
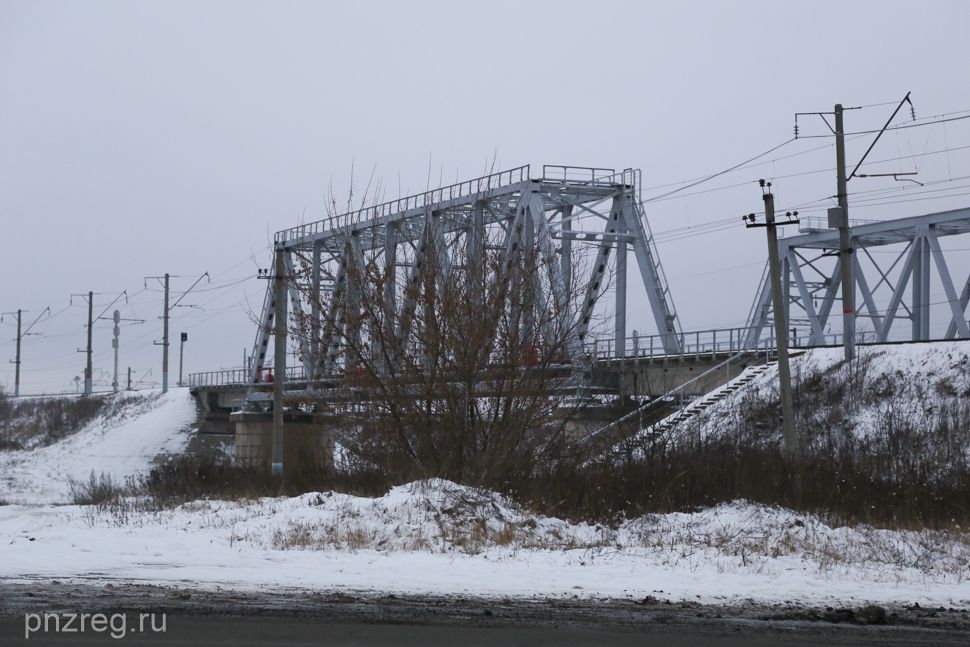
(308, 439)
(643, 377)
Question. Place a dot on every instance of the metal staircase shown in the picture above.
(698, 406)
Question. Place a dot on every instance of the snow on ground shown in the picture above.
(131, 432)
(923, 377)
(436, 537)
(441, 538)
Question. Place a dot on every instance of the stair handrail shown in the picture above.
(676, 390)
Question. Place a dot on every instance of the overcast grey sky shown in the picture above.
(138, 138)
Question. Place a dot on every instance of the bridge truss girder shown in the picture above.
(909, 270)
(325, 258)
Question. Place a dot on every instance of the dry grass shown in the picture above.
(96, 490)
(29, 423)
(304, 536)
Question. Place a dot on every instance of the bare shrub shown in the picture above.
(96, 490)
(191, 478)
(466, 380)
(911, 469)
(36, 422)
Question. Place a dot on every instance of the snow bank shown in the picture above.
(436, 537)
(131, 432)
(916, 380)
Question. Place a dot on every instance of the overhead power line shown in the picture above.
(720, 173)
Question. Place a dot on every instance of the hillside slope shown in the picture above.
(123, 440)
(889, 387)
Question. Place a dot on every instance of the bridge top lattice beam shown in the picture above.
(563, 184)
(886, 232)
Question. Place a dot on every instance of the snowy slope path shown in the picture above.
(122, 441)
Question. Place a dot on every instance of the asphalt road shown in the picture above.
(193, 617)
(192, 631)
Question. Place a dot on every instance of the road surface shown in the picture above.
(193, 617)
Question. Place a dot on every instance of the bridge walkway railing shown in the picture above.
(695, 345)
(701, 343)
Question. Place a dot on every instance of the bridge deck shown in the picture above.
(696, 346)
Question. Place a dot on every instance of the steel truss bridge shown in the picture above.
(562, 214)
(811, 269)
(451, 229)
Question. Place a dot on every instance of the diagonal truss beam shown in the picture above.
(529, 210)
(658, 293)
(263, 333)
(951, 330)
(867, 298)
(758, 318)
(296, 309)
(897, 296)
(828, 299)
(412, 287)
(818, 332)
(598, 274)
(332, 324)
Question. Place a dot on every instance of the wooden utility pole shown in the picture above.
(840, 218)
(165, 339)
(16, 383)
(89, 369)
(21, 333)
(778, 305)
(279, 360)
(116, 317)
(165, 320)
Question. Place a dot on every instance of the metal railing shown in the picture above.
(698, 344)
(705, 343)
(813, 224)
(434, 196)
(666, 398)
(235, 376)
(580, 175)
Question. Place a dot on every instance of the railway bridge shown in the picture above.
(551, 252)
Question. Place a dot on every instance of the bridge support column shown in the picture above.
(567, 247)
(315, 296)
(619, 316)
(786, 290)
(355, 288)
(956, 310)
(390, 289)
(475, 254)
(921, 288)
